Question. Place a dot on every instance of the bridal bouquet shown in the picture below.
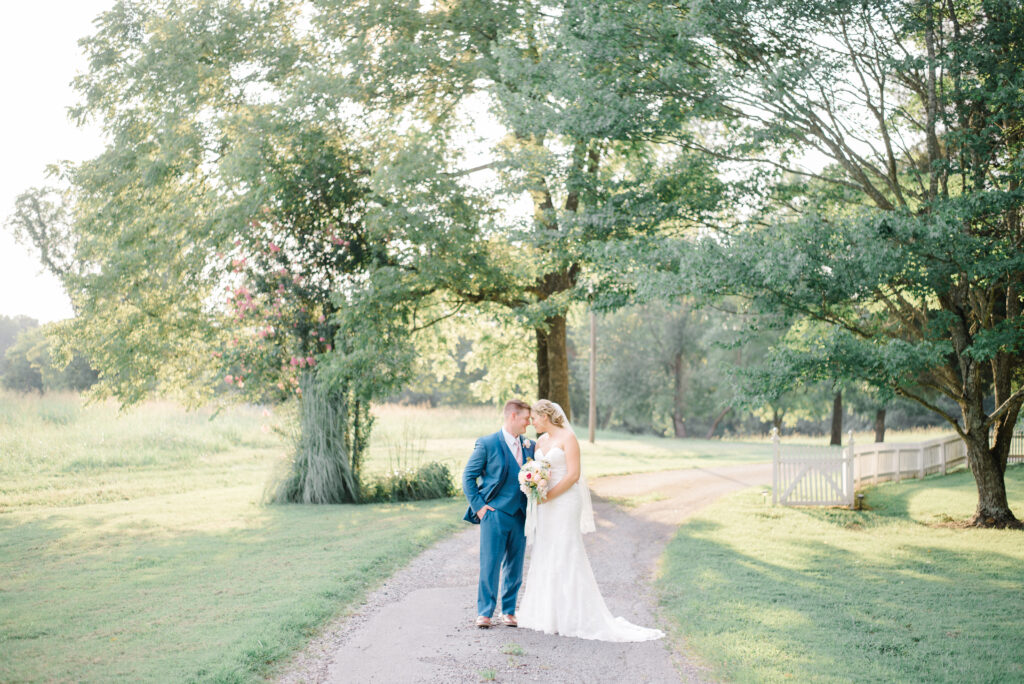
(533, 479)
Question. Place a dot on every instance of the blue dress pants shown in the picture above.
(502, 549)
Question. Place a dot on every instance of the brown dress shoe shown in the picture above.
(483, 622)
(509, 621)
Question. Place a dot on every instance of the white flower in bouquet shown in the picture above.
(533, 479)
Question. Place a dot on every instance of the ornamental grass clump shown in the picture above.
(321, 470)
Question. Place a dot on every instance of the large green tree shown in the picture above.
(573, 124)
(907, 245)
(245, 227)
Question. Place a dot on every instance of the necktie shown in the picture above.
(517, 451)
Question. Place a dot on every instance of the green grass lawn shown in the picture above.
(891, 594)
(137, 548)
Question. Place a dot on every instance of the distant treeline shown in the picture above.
(27, 360)
(677, 371)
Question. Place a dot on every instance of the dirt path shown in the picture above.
(417, 627)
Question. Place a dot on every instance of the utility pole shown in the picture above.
(592, 418)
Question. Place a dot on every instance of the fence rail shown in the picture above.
(828, 477)
(881, 462)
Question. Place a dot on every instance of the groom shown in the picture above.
(499, 507)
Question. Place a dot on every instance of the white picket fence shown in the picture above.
(881, 462)
(829, 476)
(817, 478)
(1016, 448)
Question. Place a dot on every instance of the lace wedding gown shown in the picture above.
(561, 595)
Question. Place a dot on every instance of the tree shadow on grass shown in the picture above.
(802, 610)
(889, 503)
(91, 596)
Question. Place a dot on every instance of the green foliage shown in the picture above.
(753, 588)
(902, 258)
(429, 481)
(29, 365)
(10, 328)
(42, 220)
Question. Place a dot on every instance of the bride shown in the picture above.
(562, 596)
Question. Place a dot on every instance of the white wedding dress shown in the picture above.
(561, 594)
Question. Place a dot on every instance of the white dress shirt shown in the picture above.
(510, 441)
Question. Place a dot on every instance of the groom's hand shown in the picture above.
(483, 511)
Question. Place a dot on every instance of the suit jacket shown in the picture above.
(493, 463)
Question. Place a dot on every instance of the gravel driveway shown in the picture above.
(418, 626)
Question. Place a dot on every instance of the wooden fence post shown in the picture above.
(920, 462)
(848, 484)
(776, 459)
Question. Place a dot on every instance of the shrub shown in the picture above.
(429, 481)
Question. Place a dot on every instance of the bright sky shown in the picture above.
(40, 53)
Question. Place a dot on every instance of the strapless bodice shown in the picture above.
(556, 457)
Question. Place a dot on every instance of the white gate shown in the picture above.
(816, 478)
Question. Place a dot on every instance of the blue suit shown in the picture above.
(502, 541)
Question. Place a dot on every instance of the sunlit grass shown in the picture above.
(136, 547)
(772, 594)
(206, 585)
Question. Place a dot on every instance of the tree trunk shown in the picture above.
(558, 364)
(777, 416)
(993, 508)
(543, 376)
(679, 396)
(880, 425)
(718, 419)
(837, 419)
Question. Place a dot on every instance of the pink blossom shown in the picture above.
(229, 379)
(323, 339)
(310, 361)
(328, 347)
(322, 318)
(274, 248)
(282, 271)
(295, 361)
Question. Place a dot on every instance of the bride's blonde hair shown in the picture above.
(548, 409)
